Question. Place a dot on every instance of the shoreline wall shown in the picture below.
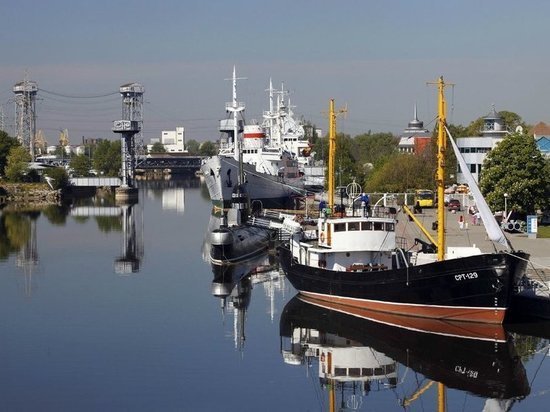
(28, 193)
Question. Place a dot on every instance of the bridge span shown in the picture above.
(189, 164)
(95, 181)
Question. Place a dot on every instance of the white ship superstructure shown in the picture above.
(270, 173)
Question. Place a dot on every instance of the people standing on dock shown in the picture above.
(477, 218)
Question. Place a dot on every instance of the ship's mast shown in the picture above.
(332, 150)
(440, 175)
(235, 107)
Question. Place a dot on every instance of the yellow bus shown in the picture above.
(424, 198)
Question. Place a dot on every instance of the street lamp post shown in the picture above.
(506, 206)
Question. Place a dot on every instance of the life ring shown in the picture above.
(322, 236)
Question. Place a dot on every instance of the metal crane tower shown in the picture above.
(132, 108)
(127, 130)
(25, 113)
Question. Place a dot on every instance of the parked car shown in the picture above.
(454, 204)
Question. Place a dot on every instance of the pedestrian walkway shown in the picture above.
(469, 234)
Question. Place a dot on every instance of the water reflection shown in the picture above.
(360, 351)
(18, 236)
(18, 231)
(124, 218)
(233, 284)
(170, 192)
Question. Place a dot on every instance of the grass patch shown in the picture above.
(543, 231)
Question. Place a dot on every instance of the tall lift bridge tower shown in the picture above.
(132, 109)
(127, 129)
(25, 113)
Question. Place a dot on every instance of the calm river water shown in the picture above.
(114, 309)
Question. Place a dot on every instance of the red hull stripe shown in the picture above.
(472, 330)
(253, 135)
(467, 314)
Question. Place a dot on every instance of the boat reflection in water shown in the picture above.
(360, 351)
(233, 283)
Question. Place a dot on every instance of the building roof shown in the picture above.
(540, 129)
(543, 144)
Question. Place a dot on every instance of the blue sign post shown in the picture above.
(532, 226)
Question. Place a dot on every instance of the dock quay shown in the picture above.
(471, 234)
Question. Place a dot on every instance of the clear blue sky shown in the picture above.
(374, 56)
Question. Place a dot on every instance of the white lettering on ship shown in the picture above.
(470, 373)
(465, 276)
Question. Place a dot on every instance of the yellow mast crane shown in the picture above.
(440, 183)
(332, 150)
(440, 173)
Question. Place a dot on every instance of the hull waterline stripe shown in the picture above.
(463, 313)
(461, 329)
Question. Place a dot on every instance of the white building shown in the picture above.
(475, 148)
(172, 140)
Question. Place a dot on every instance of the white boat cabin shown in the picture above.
(349, 243)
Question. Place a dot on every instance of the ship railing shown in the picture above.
(384, 211)
(261, 222)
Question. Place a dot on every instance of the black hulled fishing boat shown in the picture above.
(359, 261)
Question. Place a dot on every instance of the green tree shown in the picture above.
(208, 148)
(402, 173)
(157, 147)
(17, 164)
(6, 143)
(81, 165)
(516, 167)
(107, 158)
(59, 177)
(193, 147)
(372, 150)
(375, 148)
(346, 167)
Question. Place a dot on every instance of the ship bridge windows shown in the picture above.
(339, 227)
(366, 225)
(340, 372)
(353, 226)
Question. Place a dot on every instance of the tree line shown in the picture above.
(515, 166)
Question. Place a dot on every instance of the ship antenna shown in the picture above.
(235, 107)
